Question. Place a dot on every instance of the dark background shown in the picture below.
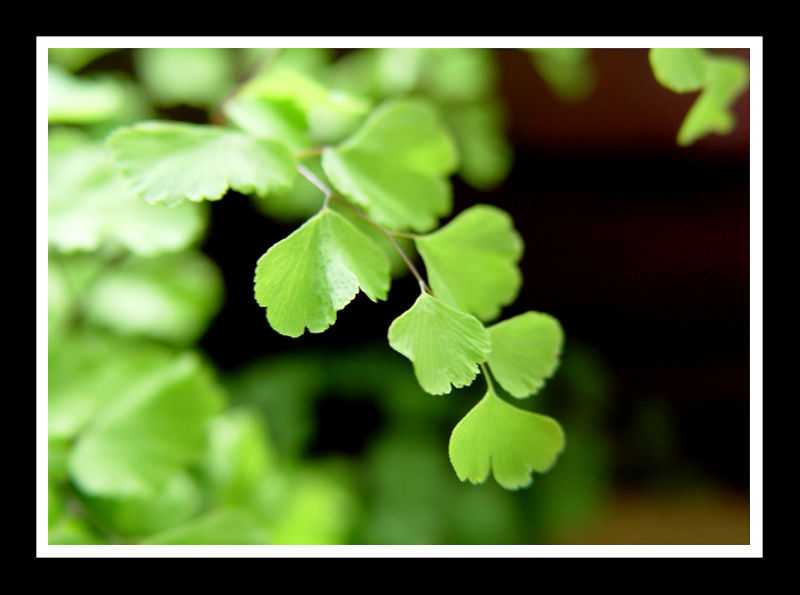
(638, 246)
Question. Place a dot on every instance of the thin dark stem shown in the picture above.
(329, 195)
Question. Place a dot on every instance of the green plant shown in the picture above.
(360, 150)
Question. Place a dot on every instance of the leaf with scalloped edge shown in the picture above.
(89, 205)
(306, 278)
(471, 261)
(525, 352)
(167, 162)
(396, 166)
(445, 345)
(509, 441)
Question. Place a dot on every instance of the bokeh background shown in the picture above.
(638, 246)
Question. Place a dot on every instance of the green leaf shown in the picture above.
(327, 114)
(725, 79)
(71, 530)
(167, 162)
(156, 427)
(177, 501)
(457, 75)
(171, 297)
(217, 527)
(319, 510)
(721, 78)
(90, 99)
(479, 132)
(75, 58)
(510, 441)
(279, 121)
(678, 69)
(567, 71)
(239, 458)
(306, 278)
(87, 372)
(192, 76)
(525, 352)
(396, 166)
(90, 205)
(471, 261)
(303, 201)
(445, 345)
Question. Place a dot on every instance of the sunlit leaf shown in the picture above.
(509, 441)
(306, 278)
(525, 351)
(327, 114)
(679, 69)
(192, 76)
(178, 500)
(472, 261)
(239, 458)
(90, 99)
(171, 297)
(217, 527)
(89, 204)
(445, 345)
(167, 162)
(396, 166)
(149, 432)
(87, 372)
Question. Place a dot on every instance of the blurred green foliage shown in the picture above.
(149, 443)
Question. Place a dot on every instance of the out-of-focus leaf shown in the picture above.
(91, 99)
(239, 458)
(168, 162)
(306, 278)
(217, 527)
(567, 71)
(87, 372)
(55, 505)
(485, 153)
(276, 120)
(75, 58)
(319, 510)
(137, 444)
(678, 69)
(178, 500)
(171, 297)
(71, 530)
(327, 114)
(192, 76)
(457, 75)
(89, 204)
(303, 201)
(445, 345)
(725, 79)
(721, 79)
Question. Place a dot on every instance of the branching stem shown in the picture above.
(329, 195)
